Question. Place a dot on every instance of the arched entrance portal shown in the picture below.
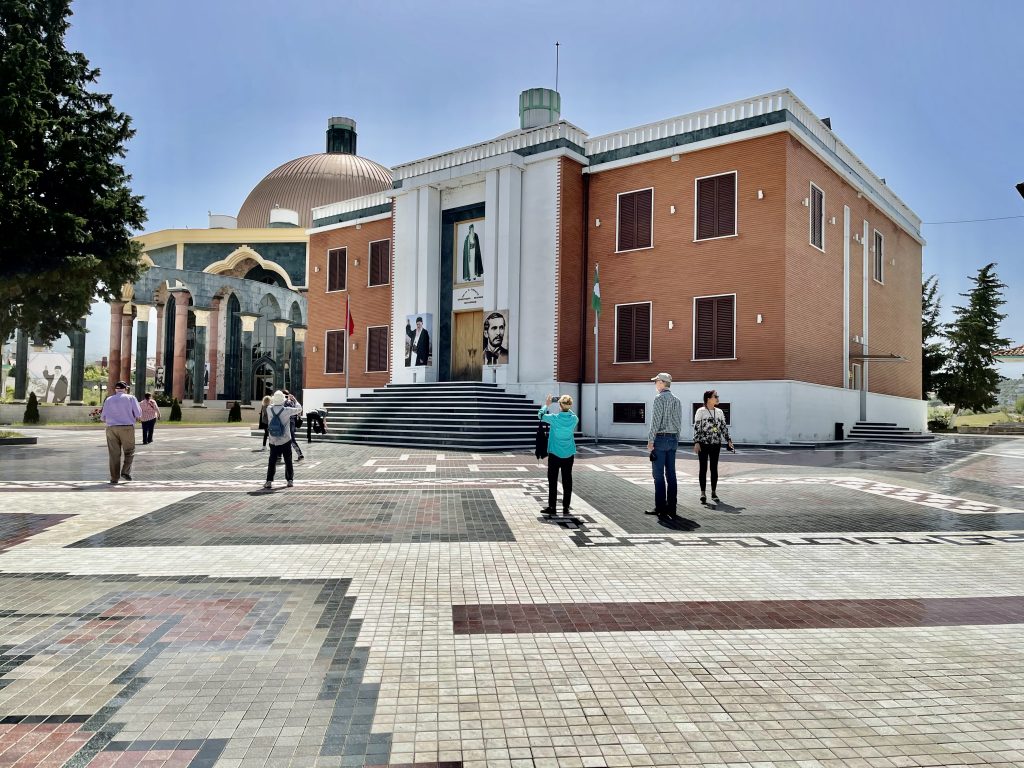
(263, 372)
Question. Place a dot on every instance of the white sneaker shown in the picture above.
(290, 483)
(268, 485)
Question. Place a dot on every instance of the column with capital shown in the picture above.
(214, 343)
(141, 349)
(180, 337)
(21, 373)
(248, 326)
(159, 334)
(126, 343)
(280, 329)
(114, 353)
(298, 358)
(77, 363)
(199, 356)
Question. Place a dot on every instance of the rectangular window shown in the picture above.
(633, 333)
(335, 352)
(879, 256)
(635, 220)
(715, 206)
(380, 262)
(377, 348)
(337, 264)
(817, 218)
(714, 328)
(629, 413)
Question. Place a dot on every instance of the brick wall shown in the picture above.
(570, 269)
(370, 306)
(814, 286)
(676, 269)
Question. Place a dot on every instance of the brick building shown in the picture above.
(743, 248)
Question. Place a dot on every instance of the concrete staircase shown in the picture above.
(886, 432)
(470, 416)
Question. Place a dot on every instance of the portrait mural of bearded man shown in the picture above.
(496, 338)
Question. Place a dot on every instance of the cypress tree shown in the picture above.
(31, 410)
(933, 355)
(970, 379)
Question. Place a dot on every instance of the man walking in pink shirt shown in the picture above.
(120, 412)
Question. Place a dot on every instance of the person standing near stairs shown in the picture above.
(279, 417)
(561, 450)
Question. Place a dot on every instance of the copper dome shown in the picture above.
(309, 181)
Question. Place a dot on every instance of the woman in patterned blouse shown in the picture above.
(709, 428)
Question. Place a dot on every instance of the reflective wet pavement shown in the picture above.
(859, 606)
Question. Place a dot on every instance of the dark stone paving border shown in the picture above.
(515, 618)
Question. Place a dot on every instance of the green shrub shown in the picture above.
(31, 410)
(175, 410)
(938, 423)
(235, 414)
(1019, 406)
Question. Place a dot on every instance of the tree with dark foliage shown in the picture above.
(970, 379)
(66, 210)
(933, 355)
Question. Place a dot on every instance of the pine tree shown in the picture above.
(970, 379)
(175, 410)
(933, 355)
(66, 209)
(235, 414)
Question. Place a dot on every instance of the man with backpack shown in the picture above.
(279, 430)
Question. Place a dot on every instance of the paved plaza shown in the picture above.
(857, 606)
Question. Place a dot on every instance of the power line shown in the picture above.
(972, 221)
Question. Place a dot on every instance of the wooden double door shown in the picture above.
(468, 346)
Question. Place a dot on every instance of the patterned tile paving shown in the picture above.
(858, 607)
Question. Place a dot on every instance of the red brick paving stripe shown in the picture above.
(734, 614)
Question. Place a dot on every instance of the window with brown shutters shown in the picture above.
(879, 256)
(377, 348)
(380, 262)
(817, 218)
(337, 263)
(635, 220)
(633, 333)
(335, 352)
(716, 206)
(714, 332)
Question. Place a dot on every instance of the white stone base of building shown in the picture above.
(761, 411)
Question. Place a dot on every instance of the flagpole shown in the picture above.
(348, 341)
(596, 303)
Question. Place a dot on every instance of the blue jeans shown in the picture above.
(664, 469)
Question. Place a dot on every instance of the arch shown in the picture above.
(242, 253)
(295, 313)
(233, 348)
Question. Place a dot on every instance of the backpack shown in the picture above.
(275, 426)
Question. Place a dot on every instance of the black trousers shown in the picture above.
(557, 464)
(266, 434)
(280, 450)
(295, 442)
(709, 453)
(147, 431)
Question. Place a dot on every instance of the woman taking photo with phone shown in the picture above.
(709, 429)
(561, 450)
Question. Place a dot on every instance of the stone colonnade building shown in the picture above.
(743, 248)
(228, 303)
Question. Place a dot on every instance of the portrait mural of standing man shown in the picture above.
(496, 338)
(469, 257)
(417, 339)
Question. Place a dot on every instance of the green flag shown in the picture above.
(595, 300)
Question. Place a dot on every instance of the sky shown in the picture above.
(928, 94)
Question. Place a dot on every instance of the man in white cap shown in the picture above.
(120, 412)
(662, 442)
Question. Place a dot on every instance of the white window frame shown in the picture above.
(810, 217)
(693, 341)
(387, 354)
(329, 331)
(630, 192)
(369, 263)
(736, 206)
(650, 335)
(878, 258)
(337, 290)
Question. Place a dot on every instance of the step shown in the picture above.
(876, 424)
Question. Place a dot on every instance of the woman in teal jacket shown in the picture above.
(561, 451)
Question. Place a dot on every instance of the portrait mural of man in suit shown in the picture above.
(469, 257)
(417, 339)
(495, 338)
